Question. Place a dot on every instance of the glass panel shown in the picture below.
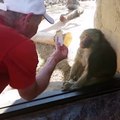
(61, 73)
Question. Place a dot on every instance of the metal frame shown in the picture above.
(59, 98)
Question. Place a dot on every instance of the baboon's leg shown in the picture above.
(71, 15)
(76, 71)
(81, 81)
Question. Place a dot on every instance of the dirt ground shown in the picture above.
(75, 26)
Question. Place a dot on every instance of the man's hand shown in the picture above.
(60, 53)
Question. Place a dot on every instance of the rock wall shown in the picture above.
(107, 18)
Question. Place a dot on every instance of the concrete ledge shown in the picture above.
(102, 94)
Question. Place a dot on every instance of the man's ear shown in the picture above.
(27, 18)
(24, 19)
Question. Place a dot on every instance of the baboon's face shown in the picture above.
(85, 40)
(90, 38)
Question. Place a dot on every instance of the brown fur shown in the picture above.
(95, 61)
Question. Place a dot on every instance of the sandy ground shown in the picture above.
(61, 73)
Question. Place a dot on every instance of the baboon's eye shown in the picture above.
(83, 36)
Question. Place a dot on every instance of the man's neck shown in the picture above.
(2, 21)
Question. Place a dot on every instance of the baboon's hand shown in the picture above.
(67, 85)
(75, 86)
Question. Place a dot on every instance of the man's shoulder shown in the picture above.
(11, 37)
(11, 40)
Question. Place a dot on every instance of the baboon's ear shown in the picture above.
(28, 17)
(83, 35)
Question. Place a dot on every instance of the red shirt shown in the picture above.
(18, 59)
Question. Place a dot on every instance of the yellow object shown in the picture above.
(48, 38)
(67, 38)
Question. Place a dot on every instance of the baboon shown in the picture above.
(74, 11)
(95, 61)
(71, 15)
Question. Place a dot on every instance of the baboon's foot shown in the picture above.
(80, 11)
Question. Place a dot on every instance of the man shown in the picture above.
(19, 21)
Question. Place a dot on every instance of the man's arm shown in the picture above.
(43, 76)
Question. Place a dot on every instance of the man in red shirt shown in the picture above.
(19, 20)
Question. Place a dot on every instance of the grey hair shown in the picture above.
(10, 17)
